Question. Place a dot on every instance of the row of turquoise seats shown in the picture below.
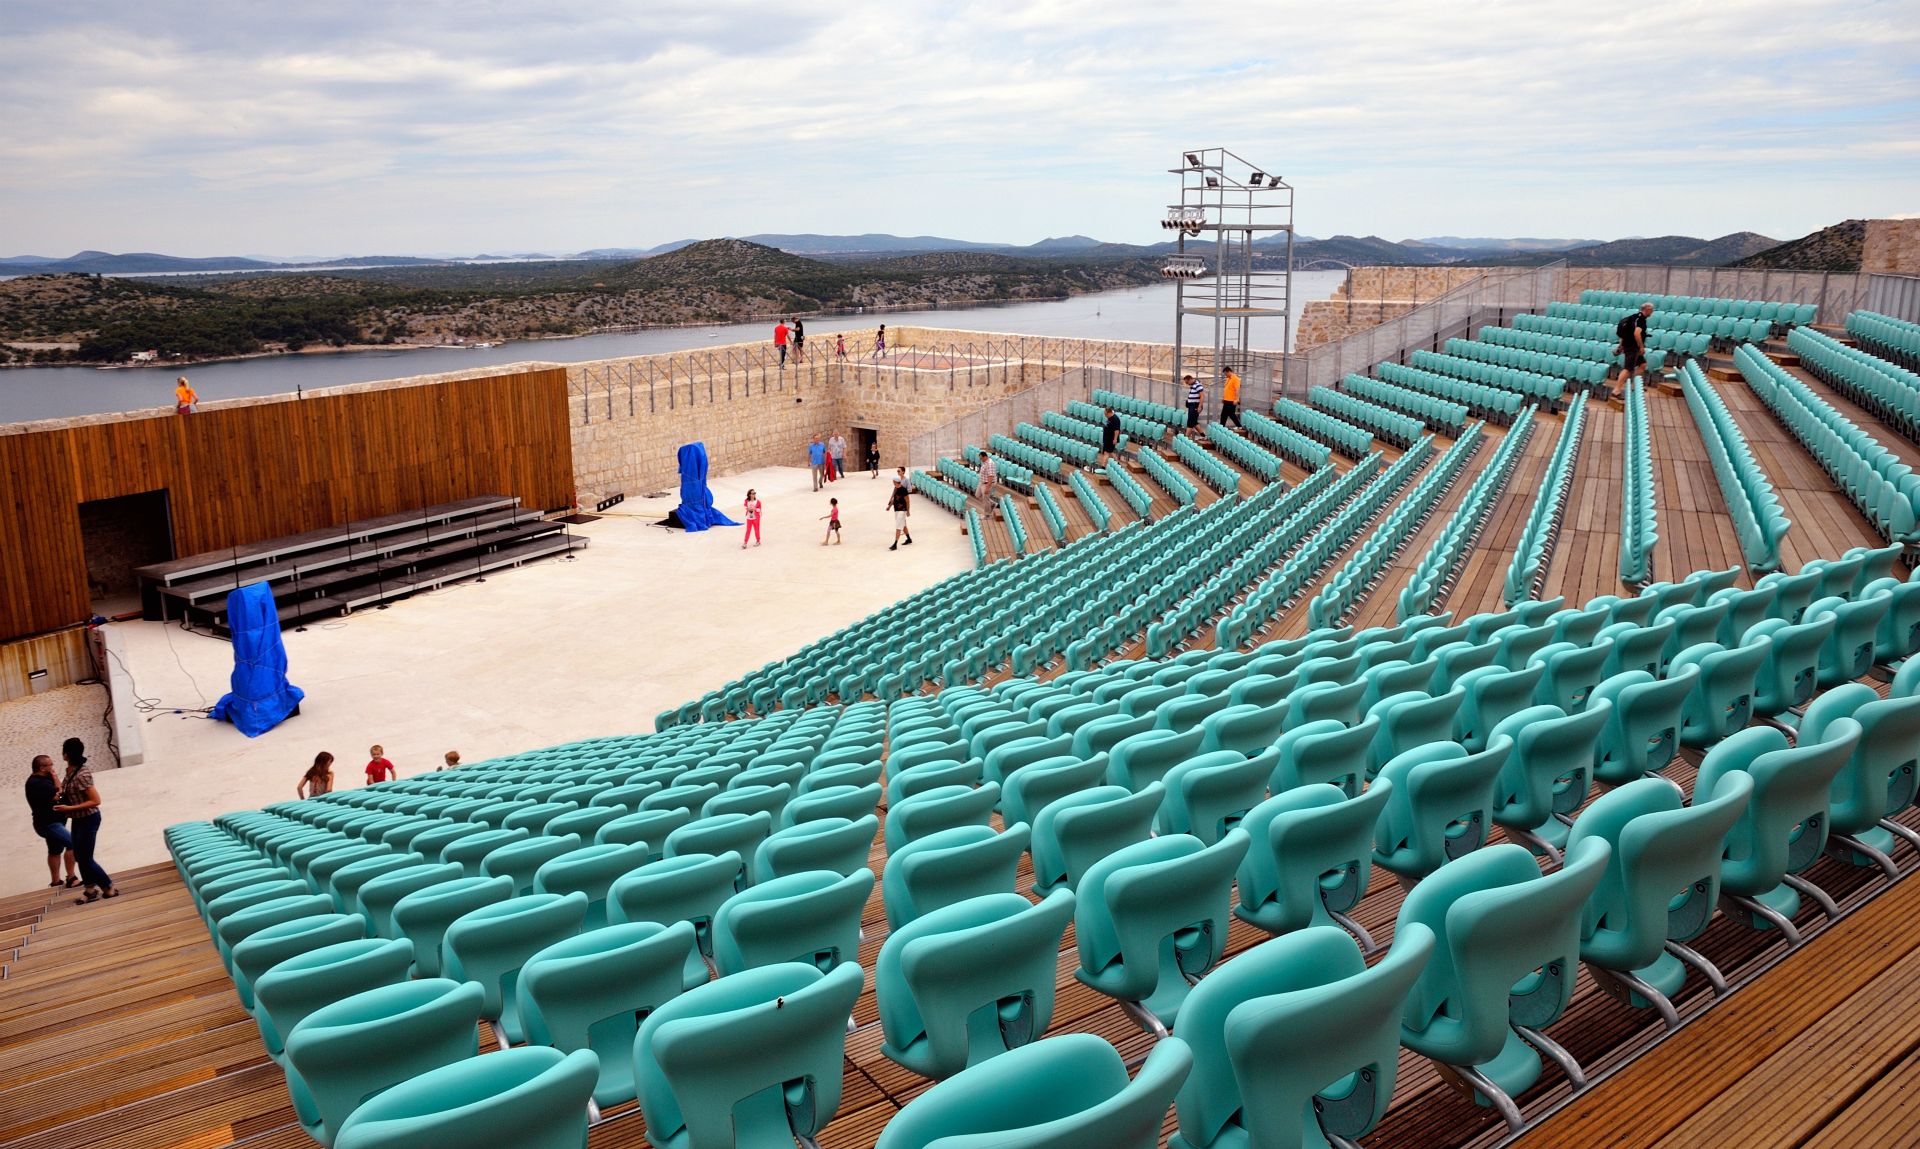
(1072, 449)
(1083, 586)
(1436, 567)
(1011, 473)
(941, 494)
(1483, 400)
(1834, 746)
(1017, 530)
(1028, 456)
(1302, 447)
(1532, 384)
(1892, 393)
(1404, 933)
(1033, 621)
(1037, 627)
(1078, 428)
(1298, 515)
(1558, 366)
(1894, 338)
(976, 535)
(1129, 488)
(1884, 487)
(1659, 342)
(1261, 462)
(1216, 473)
(1562, 346)
(958, 473)
(1785, 313)
(569, 988)
(1201, 552)
(1244, 559)
(807, 676)
(1439, 414)
(1354, 442)
(1639, 522)
(1343, 521)
(1542, 527)
(1758, 520)
(1175, 484)
(1724, 327)
(1396, 428)
(1098, 512)
(1349, 583)
(1145, 430)
(1162, 413)
(1051, 514)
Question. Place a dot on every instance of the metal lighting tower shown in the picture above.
(1220, 276)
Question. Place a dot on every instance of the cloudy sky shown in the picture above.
(348, 127)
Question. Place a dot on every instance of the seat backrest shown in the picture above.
(1065, 1092)
(587, 992)
(1073, 832)
(838, 844)
(349, 1050)
(950, 866)
(1784, 827)
(1497, 920)
(1323, 751)
(717, 1066)
(1309, 851)
(1663, 878)
(1440, 806)
(1251, 1069)
(534, 1097)
(940, 808)
(969, 980)
(1135, 899)
(811, 917)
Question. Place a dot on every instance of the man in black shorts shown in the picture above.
(1110, 433)
(1632, 331)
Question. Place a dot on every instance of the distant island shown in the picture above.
(79, 310)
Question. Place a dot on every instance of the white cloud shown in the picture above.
(221, 127)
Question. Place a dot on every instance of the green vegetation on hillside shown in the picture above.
(714, 281)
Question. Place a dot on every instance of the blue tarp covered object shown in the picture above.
(261, 695)
(696, 509)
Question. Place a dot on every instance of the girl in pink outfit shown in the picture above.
(753, 520)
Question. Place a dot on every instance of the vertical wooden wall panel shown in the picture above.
(244, 474)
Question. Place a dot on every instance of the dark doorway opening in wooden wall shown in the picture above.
(118, 535)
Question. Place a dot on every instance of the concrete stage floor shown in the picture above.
(644, 620)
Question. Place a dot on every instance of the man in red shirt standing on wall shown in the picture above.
(780, 340)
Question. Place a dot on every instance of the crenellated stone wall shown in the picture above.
(1373, 295)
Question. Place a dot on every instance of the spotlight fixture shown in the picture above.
(1212, 182)
(1187, 219)
(1184, 267)
(1255, 181)
(1193, 161)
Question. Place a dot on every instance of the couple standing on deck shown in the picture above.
(66, 813)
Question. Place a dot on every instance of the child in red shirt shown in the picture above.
(379, 770)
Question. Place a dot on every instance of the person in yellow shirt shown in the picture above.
(1230, 398)
(185, 398)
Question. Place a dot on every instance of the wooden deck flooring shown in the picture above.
(119, 1026)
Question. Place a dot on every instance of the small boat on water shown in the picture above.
(484, 346)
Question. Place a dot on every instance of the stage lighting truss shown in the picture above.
(1186, 219)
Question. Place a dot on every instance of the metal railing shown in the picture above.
(1029, 406)
(1492, 297)
(1896, 296)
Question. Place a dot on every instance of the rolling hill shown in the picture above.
(1835, 248)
